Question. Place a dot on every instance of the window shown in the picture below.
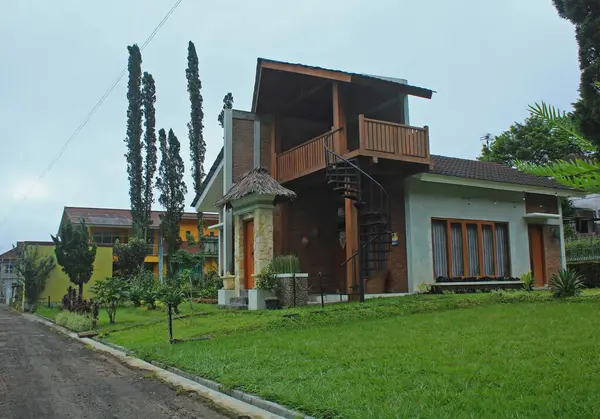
(467, 248)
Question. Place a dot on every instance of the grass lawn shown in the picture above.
(130, 316)
(418, 356)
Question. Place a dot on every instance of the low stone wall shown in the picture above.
(286, 296)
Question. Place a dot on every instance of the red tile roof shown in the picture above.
(114, 217)
(475, 169)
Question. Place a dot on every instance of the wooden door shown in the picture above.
(249, 254)
(536, 254)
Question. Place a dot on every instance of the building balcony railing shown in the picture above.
(380, 139)
(393, 141)
(210, 245)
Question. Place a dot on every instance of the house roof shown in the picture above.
(114, 217)
(480, 170)
(9, 254)
(209, 175)
(255, 182)
(342, 76)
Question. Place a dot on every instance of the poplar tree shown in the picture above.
(148, 101)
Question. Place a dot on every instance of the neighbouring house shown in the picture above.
(374, 211)
(107, 225)
(8, 275)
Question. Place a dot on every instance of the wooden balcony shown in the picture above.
(377, 139)
(303, 159)
(392, 141)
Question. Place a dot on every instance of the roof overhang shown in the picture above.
(213, 191)
(477, 183)
(400, 85)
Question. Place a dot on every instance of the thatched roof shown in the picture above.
(255, 182)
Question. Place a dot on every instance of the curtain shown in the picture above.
(457, 250)
(502, 249)
(440, 250)
(472, 250)
(488, 250)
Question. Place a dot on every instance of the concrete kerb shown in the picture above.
(233, 402)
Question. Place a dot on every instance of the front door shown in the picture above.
(536, 254)
(249, 254)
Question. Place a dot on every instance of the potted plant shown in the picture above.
(228, 281)
(267, 287)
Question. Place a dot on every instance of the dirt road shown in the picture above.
(45, 375)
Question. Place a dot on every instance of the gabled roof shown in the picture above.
(9, 254)
(114, 217)
(342, 76)
(480, 170)
(209, 175)
(255, 182)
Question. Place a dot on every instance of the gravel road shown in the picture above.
(45, 375)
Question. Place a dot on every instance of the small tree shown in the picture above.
(227, 104)
(110, 293)
(172, 194)
(75, 253)
(33, 270)
(129, 257)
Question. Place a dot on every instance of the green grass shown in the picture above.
(131, 316)
(509, 355)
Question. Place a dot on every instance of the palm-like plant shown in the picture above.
(566, 284)
(582, 173)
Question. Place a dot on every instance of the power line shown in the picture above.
(89, 116)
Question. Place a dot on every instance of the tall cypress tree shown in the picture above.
(585, 15)
(134, 136)
(172, 189)
(148, 100)
(196, 125)
(227, 104)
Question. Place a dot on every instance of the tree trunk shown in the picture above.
(81, 290)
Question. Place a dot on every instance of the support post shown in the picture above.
(170, 319)
(340, 144)
(351, 217)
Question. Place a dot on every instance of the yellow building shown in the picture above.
(107, 225)
(58, 281)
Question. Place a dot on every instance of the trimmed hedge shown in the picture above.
(74, 322)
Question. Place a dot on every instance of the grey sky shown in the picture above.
(487, 60)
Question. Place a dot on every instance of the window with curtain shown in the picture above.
(469, 248)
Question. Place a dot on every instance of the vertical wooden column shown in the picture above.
(340, 141)
(351, 218)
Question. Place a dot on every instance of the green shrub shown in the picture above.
(73, 321)
(528, 281)
(210, 284)
(267, 279)
(566, 284)
(110, 293)
(286, 264)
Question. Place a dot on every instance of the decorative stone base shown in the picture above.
(224, 296)
(256, 299)
(287, 289)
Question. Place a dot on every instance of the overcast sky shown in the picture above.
(487, 60)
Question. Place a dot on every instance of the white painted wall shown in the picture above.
(426, 200)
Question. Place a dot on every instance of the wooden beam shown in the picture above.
(352, 243)
(340, 142)
(273, 159)
(307, 70)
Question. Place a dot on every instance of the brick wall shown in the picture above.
(541, 203)
(552, 251)
(397, 261)
(242, 147)
(312, 216)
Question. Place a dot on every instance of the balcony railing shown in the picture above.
(303, 159)
(395, 141)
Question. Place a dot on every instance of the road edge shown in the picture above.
(226, 403)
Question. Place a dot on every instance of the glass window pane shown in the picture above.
(488, 250)
(457, 250)
(472, 250)
(502, 249)
(440, 250)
